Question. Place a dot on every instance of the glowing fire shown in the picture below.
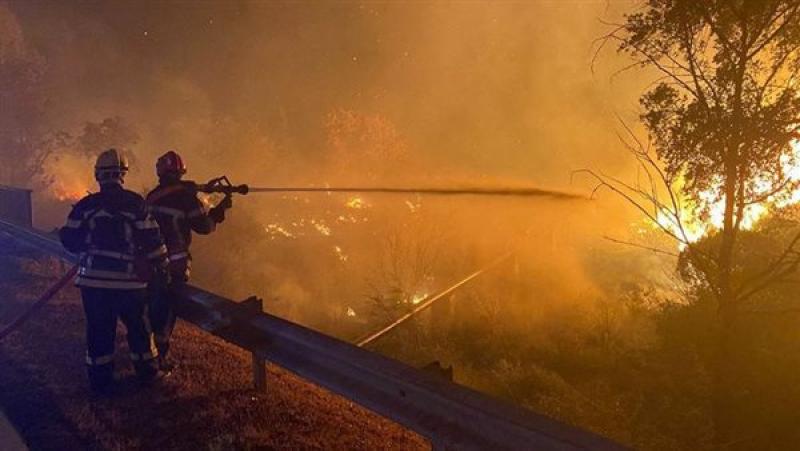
(340, 254)
(321, 227)
(694, 228)
(276, 230)
(68, 194)
(67, 178)
(412, 206)
(356, 203)
(419, 297)
(68, 187)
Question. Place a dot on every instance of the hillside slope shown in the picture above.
(207, 403)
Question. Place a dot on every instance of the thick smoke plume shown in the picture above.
(322, 95)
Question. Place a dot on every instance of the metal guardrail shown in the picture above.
(449, 415)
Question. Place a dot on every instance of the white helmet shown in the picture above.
(111, 167)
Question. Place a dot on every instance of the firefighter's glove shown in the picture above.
(226, 202)
(217, 213)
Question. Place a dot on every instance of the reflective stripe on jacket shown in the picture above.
(179, 212)
(109, 230)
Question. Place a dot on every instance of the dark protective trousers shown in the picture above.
(163, 297)
(102, 307)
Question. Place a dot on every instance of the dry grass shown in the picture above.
(207, 403)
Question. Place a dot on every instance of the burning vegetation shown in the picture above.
(665, 321)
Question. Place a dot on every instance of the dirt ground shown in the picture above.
(207, 403)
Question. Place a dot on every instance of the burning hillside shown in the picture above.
(391, 149)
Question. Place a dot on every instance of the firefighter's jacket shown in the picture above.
(114, 235)
(179, 212)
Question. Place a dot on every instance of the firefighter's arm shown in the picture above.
(73, 234)
(218, 213)
(201, 221)
(148, 239)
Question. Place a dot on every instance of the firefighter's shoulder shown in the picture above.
(156, 191)
(177, 190)
(132, 199)
(88, 201)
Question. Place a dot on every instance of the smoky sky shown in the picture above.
(494, 88)
(353, 93)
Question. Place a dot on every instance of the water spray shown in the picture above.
(224, 186)
(521, 192)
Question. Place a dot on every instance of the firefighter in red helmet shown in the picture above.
(178, 211)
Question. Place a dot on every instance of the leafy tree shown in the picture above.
(21, 103)
(722, 118)
(766, 333)
(27, 139)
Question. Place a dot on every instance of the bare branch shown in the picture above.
(775, 271)
(641, 246)
(776, 32)
(654, 61)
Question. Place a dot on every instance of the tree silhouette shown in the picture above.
(722, 118)
(22, 104)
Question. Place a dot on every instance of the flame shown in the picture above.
(277, 230)
(419, 297)
(68, 193)
(413, 207)
(694, 228)
(68, 187)
(340, 254)
(67, 178)
(321, 227)
(356, 203)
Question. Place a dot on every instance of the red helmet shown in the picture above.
(170, 164)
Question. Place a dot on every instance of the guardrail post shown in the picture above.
(259, 373)
(256, 305)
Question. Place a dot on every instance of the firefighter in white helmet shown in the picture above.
(120, 247)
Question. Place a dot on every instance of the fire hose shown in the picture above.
(428, 301)
(40, 302)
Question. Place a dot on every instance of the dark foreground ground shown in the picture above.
(207, 403)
